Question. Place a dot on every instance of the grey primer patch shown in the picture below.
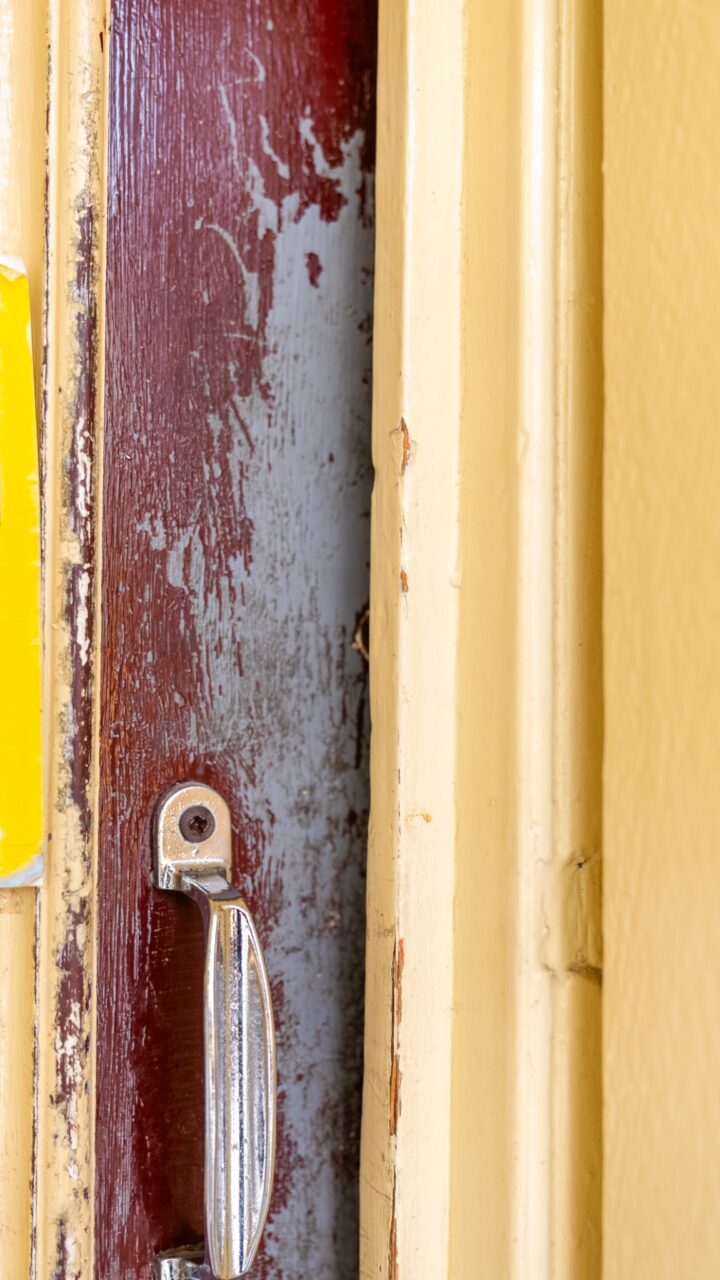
(302, 695)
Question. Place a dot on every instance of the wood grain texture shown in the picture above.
(72, 401)
(23, 70)
(235, 548)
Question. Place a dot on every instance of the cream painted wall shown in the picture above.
(662, 641)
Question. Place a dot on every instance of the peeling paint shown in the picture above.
(393, 1269)
(62, 1244)
(248, 515)
(395, 1072)
(572, 913)
(408, 447)
(361, 637)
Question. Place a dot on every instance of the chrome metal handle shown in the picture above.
(193, 856)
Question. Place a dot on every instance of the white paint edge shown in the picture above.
(11, 266)
(30, 874)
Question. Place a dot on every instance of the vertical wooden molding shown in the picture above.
(533, 994)
(573, 948)
(75, 209)
(481, 1122)
(23, 83)
(484, 1154)
(405, 1156)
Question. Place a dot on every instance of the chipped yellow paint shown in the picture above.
(23, 65)
(21, 780)
(65, 1191)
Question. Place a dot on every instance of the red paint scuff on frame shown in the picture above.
(398, 964)
(407, 447)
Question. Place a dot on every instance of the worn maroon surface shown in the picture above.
(234, 567)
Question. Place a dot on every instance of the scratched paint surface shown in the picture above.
(235, 550)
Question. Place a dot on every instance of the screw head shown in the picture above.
(196, 823)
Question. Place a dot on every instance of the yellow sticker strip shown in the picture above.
(21, 782)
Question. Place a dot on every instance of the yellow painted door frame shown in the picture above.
(481, 1149)
(52, 112)
(23, 59)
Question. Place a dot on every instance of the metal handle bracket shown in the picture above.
(193, 856)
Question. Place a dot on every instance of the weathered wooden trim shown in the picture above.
(573, 949)
(382, 1080)
(23, 67)
(479, 1049)
(415, 575)
(75, 214)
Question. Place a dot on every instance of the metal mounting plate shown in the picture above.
(175, 854)
(182, 1264)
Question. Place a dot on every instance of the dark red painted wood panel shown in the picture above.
(234, 571)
